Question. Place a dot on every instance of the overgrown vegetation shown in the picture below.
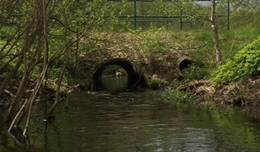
(246, 63)
(177, 96)
(235, 82)
(41, 42)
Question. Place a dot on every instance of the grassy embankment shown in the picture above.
(198, 42)
(235, 81)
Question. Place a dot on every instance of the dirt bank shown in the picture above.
(245, 95)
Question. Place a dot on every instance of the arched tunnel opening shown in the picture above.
(135, 78)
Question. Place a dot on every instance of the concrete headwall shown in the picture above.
(141, 69)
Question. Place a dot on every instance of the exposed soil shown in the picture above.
(244, 95)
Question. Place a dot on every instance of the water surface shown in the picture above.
(133, 121)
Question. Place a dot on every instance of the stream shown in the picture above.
(133, 121)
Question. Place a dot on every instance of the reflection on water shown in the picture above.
(114, 84)
(137, 121)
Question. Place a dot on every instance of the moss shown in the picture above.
(154, 84)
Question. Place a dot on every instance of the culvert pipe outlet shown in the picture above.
(183, 63)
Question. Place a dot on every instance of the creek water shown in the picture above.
(133, 121)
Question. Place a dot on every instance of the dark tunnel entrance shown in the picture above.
(184, 64)
(135, 78)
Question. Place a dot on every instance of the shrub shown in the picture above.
(245, 63)
(175, 95)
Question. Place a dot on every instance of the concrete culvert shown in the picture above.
(183, 63)
(135, 78)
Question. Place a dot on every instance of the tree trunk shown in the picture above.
(215, 32)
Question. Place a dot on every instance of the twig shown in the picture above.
(8, 92)
(17, 115)
(33, 95)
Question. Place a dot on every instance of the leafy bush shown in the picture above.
(245, 63)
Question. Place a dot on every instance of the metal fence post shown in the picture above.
(181, 16)
(134, 14)
(228, 15)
